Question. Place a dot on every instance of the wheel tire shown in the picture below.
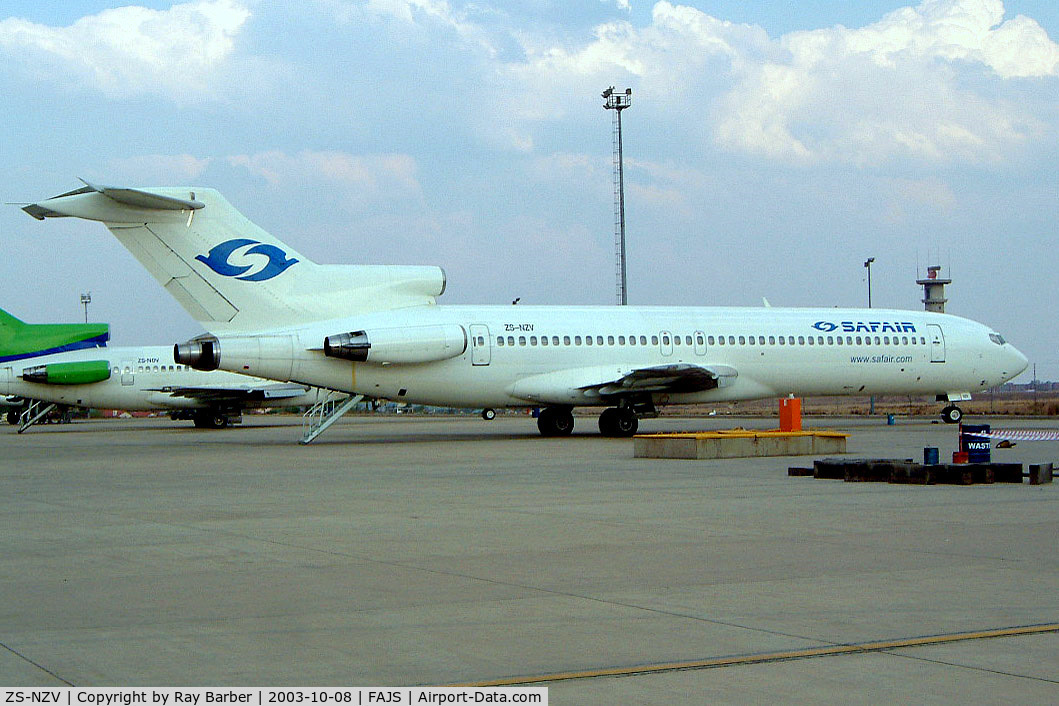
(219, 421)
(952, 414)
(488, 414)
(626, 423)
(608, 425)
(12, 417)
(554, 421)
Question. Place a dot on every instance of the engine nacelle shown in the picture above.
(73, 373)
(409, 344)
(265, 356)
(202, 353)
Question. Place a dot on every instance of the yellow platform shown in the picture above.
(738, 443)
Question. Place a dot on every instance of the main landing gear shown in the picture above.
(615, 422)
(952, 414)
(556, 421)
(620, 422)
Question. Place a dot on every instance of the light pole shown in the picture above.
(86, 299)
(619, 102)
(867, 265)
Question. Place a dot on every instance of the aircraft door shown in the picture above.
(937, 343)
(700, 343)
(127, 375)
(665, 342)
(481, 345)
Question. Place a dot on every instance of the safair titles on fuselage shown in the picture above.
(377, 330)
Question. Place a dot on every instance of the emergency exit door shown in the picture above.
(481, 346)
(937, 343)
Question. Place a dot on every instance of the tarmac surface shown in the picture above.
(423, 551)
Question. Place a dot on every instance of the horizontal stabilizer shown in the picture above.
(137, 198)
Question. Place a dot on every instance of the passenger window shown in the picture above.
(772, 340)
(742, 340)
(588, 340)
(783, 341)
(698, 339)
(544, 340)
(710, 340)
(566, 340)
(654, 340)
(830, 340)
(904, 340)
(500, 340)
(577, 340)
(801, 340)
(720, 340)
(522, 340)
(810, 340)
(790, 340)
(886, 340)
(555, 340)
(665, 340)
(510, 340)
(610, 340)
(643, 340)
(731, 340)
(114, 371)
(858, 340)
(876, 340)
(599, 340)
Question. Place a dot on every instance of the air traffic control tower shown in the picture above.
(934, 290)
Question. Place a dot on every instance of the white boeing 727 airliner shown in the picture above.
(377, 330)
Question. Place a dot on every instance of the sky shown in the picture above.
(770, 148)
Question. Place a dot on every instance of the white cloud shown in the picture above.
(156, 169)
(937, 82)
(362, 176)
(131, 50)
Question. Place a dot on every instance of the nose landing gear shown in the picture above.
(952, 414)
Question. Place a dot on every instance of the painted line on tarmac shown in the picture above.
(731, 661)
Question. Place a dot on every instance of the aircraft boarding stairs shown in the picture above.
(325, 413)
(34, 412)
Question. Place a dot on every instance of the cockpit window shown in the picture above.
(997, 339)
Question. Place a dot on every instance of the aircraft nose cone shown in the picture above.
(1021, 362)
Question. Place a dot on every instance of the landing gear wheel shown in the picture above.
(555, 421)
(952, 414)
(12, 416)
(488, 414)
(210, 420)
(618, 422)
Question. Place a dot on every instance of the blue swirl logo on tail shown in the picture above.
(218, 260)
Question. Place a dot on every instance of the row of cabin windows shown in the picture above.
(148, 369)
(700, 340)
(820, 340)
(599, 340)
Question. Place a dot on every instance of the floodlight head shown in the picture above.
(608, 92)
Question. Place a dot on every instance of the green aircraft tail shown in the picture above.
(19, 340)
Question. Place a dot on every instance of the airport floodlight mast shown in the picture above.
(619, 102)
(86, 299)
(867, 266)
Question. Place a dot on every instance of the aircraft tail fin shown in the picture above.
(227, 272)
(19, 340)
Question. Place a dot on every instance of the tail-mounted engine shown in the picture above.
(411, 344)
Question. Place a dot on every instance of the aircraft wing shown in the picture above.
(235, 393)
(674, 378)
(588, 385)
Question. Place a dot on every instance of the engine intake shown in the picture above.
(411, 344)
(202, 353)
